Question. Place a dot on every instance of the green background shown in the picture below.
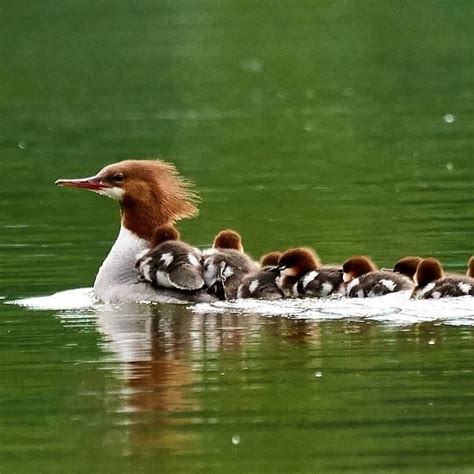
(343, 125)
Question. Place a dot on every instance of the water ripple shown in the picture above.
(393, 309)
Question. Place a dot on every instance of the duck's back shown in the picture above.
(378, 283)
(451, 286)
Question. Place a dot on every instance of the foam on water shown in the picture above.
(64, 300)
(395, 308)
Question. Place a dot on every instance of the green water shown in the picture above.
(343, 125)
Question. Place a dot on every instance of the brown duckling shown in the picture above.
(301, 274)
(431, 282)
(364, 280)
(171, 263)
(226, 265)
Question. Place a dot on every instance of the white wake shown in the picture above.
(396, 308)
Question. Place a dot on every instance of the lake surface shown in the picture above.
(345, 126)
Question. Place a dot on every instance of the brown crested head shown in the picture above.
(151, 193)
(298, 261)
(470, 267)
(429, 270)
(270, 259)
(164, 233)
(357, 266)
(228, 239)
(407, 266)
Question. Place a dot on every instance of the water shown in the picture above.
(345, 126)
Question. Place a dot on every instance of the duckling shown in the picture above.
(364, 280)
(170, 263)
(431, 282)
(224, 270)
(293, 265)
(262, 284)
(327, 281)
(301, 274)
(407, 266)
(226, 265)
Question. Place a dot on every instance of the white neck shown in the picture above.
(119, 266)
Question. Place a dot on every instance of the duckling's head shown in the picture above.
(164, 233)
(228, 239)
(357, 266)
(407, 266)
(298, 261)
(429, 270)
(270, 259)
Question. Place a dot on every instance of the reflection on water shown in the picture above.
(194, 383)
(160, 384)
(168, 356)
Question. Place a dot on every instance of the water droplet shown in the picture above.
(252, 65)
(431, 342)
(318, 374)
(348, 92)
(235, 440)
(308, 127)
(222, 373)
(22, 145)
(449, 166)
(449, 118)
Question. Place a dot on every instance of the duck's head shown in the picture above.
(164, 233)
(151, 193)
(270, 259)
(407, 266)
(429, 270)
(298, 261)
(228, 239)
(357, 266)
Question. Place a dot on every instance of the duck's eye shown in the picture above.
(118, 177)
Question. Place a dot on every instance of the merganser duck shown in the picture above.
(407, 266)
(151, 194)
(171, 263)
(470, 268)
(431, 282)
(301, 274)
(270, 259)
(364, 280)
(226, 265)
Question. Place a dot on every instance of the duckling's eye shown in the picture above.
(118, 177)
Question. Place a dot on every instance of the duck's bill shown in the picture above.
(93, 183)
